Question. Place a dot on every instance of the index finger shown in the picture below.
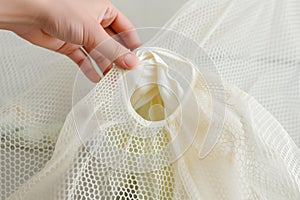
(121, 25)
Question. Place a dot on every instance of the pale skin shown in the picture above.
(67, 26)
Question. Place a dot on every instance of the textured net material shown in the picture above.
(254, 45)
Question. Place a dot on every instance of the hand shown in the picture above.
(65, 26)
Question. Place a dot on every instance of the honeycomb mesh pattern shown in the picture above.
(33, 107)
(245, 159)
(255, 45)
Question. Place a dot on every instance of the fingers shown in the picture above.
(125, 28)
(115, 36)
(102, 62)
(108, 17)
(128, 60)
(101, 42)
(81, 59)
(42, 39)
(84, 63)
(73, 51)
(121, 41)
(111, 49)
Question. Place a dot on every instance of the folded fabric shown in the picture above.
(106, 149)
(134, 136)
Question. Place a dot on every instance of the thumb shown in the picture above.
(112, 50)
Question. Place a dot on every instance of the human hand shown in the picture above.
(65, 26)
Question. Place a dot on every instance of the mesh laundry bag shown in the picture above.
(255, 46)
(169, 129)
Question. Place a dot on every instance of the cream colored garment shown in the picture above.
(106, 150)
(156, 92)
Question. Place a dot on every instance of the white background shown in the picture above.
(148, 13)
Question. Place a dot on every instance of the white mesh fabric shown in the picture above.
(118, 156)
(255, 45)
(36, 95)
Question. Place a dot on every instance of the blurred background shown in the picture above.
(149, 13)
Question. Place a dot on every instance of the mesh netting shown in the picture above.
(110, 145)
(255, 45)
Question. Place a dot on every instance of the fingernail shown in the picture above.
(131, 60)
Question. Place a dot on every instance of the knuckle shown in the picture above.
(118, 51)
